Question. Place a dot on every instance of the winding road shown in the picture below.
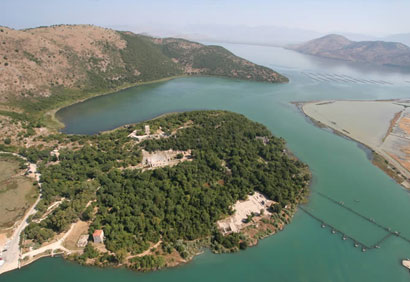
(11, 257)
(51, 247)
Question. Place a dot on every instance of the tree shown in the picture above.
(121, 255)
(243, 245)
(90, 252)
(182, 202)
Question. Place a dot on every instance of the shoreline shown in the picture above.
(255, 232)
(261, 226)
(377, 157)
(203, 244)
(57, 125)
(134, 123)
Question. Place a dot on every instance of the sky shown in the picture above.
(372, 17)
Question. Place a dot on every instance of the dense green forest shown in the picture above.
(215, 60)
(182, 202)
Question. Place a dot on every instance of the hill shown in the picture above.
(374, 52)
(56, 63)
(166, 189)
(400, 37)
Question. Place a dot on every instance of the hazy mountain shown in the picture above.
(357, 36)
(263, 35)
(401, 37)
(339, 47)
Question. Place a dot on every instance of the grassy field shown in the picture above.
(17, 192)
(80, 228)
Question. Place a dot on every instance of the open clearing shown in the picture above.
(17, 192)
(254, 204)
(164, 158)
(79, 228)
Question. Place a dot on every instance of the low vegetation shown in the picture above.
(137, 208)
(51, 67)
(62, 64)
(17, 192)
(166, 213)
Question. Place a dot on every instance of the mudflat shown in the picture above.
(383, 126)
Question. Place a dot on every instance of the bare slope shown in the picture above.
(64, 60)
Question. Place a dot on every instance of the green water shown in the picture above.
(341, 169)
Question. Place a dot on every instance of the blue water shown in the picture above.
(341, 169)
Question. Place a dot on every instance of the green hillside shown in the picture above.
(49, 67)
(231, 157)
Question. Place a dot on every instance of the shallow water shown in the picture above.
(367, 122)
(303, 251)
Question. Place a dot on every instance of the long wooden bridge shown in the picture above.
(357, 243)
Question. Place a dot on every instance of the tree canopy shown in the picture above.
(231, 158)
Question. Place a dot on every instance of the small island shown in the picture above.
(155, 194)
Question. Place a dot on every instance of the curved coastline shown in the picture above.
(54, 123)
(378, 158)
(263, 226)
(57, 124)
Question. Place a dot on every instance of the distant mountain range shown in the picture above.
(258, 35)
(255, 35)
(338, 47)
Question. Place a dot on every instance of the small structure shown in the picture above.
(82, 242)
(98, 236)
(147, 134)
(147, 130)
(55, 153)
(164, 158)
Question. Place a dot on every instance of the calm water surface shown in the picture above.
(303, 251)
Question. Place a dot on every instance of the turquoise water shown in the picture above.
(341, 169)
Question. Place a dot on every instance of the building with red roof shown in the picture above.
(98, 236)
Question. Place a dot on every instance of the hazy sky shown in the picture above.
(376, 17)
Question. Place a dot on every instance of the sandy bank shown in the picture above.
(382, 126)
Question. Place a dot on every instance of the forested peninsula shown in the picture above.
(144, 196)
(160, 189)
